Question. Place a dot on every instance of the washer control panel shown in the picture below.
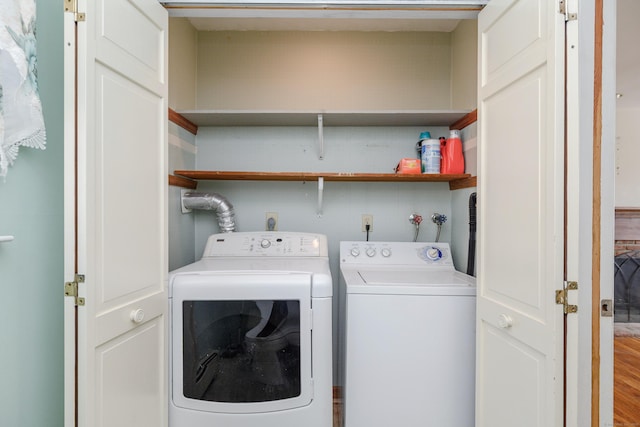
(276, 244)
(395, 253)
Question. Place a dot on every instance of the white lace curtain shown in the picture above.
(21, 121)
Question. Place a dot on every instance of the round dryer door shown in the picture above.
(241, 343)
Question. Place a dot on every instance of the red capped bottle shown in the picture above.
(452, 157)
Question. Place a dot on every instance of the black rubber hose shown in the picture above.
(471, 257)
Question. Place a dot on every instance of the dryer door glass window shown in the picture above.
(241, 351)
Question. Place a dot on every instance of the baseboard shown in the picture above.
(620, 329)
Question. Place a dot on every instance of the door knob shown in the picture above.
(137, 316)
(505, 321)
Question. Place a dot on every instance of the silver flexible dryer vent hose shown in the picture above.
(213, 202)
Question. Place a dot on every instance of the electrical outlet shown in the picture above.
(367, 220)
(271, 221)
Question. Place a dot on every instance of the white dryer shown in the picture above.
(410, 336)
(250, 342)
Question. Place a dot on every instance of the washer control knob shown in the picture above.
(434, 254)
(265, 243)
(371, 252)
(355, 252)
(386, 252)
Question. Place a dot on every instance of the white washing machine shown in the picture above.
(251, 333)
(410, 336)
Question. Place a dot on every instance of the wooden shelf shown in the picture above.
(330, 118)
(190, 120)
(459, 184)
(180, 181)
(314, 176)
(182, 121)
(320, 177)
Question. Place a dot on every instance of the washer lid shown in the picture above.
(408, 282)
(416, 278)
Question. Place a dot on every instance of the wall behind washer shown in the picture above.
(347, 149)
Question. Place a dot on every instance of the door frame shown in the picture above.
(604, 112)
(590, 216)
(70, 223)
(593, 349)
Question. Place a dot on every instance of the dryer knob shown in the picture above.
(386, 252)
(265, 243)
(371, 252)
(355, 252)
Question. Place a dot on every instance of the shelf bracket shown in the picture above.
(321, 136)
(320, 195)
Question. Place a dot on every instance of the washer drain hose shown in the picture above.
(471, 257)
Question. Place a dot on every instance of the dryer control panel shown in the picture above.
(266, 244)
(396, 253)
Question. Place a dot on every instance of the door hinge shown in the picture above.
(71, 289)
(71, 6)
(562, 297)
(562, 9)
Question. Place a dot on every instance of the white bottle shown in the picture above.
(430, 156)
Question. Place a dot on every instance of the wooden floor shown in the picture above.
(337, 412)
(338, 407)
(626, 381)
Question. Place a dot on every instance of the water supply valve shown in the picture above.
(415, 219)
(438, 219)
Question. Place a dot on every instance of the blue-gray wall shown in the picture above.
(31, 267)
(181, 155)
